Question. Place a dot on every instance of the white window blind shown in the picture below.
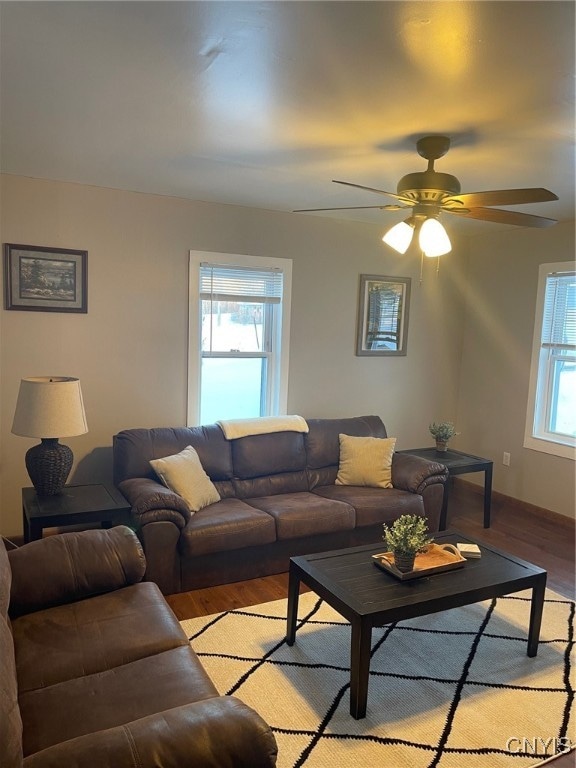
(559, 316)
(226, 283)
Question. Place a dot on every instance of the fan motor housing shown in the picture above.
(428, 186)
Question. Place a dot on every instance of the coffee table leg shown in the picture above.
(293, 593)
(536, 609)
(359, 667)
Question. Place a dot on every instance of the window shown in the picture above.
(239, 335)
(551, 419)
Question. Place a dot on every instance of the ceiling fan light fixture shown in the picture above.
(400, 236)
(433, 238)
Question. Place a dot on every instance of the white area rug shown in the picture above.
(454, 689)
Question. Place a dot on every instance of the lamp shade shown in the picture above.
(49, 407)
(399, 237)
(433, 238)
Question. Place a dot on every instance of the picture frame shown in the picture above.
(40, 279)
(383, 312)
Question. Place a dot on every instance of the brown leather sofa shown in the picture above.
(278, 499)
(96, 672)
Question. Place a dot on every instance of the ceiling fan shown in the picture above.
(428, 193)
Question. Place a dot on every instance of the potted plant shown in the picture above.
(407, 536)
(442, 432)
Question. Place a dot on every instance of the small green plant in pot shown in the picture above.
(407, 536)
(442, 432)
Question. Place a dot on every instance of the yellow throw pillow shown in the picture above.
(366, 461)
(183, 473)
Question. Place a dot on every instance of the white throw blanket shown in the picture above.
(234, 428)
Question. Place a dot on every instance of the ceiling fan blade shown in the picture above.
(354, 208)
(503, 217)
(503, 197)
(369, 189)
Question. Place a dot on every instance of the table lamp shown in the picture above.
(49, 407)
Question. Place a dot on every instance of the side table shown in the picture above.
(459, 463)
(75, 505)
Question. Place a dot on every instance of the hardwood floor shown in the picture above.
(541, 538)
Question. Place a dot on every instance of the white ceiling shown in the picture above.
(263, 104)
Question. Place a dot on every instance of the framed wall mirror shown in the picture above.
(383, 307)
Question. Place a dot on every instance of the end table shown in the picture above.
(459, 463)
(74, 505)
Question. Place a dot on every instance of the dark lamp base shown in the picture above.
(49, 464)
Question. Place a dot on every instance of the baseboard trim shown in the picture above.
(523, 506)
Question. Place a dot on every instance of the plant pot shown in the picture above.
(404, 563)
(441, 446)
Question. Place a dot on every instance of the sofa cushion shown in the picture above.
(81, 564)
(10, 721)
(366, 461)
(283, 482)
(374, 505)
(212, 733)
(184, 474)
(134, 448)
(228, 524)
(269, 454)
(5, 580)
(91, 636)
(323, 442)
(116, 696)
(305, 514)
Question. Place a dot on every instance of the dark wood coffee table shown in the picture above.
(367, 597)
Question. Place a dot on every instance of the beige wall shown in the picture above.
(501, 297)
(130, 349)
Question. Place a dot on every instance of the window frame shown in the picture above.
(277, 365)
(542, 378)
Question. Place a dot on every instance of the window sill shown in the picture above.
(548, 446)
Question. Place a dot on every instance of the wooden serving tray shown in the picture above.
(436, 559)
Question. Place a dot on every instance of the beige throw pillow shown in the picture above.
(366, 461)
(183, 473)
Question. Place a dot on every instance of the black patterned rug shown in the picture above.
(454, 689)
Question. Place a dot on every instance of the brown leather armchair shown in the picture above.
(96, 671)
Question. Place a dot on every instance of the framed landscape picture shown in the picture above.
(43, 279)
(383, 315)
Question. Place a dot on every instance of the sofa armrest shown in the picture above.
(151, 501)
(411, 473)
(160, 515)
(72, 566)
(214, 733)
